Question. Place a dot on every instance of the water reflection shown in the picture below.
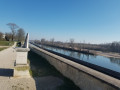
(71, 54)
(93, 56)
(115, 60)
(79, 55)
(64, 51)
(83, 57)
(110, 63)
(87, 55)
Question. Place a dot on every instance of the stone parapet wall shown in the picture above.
(84, 77)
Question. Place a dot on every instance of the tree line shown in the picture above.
(106, 47)
(16, 34)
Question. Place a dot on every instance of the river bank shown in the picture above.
(106, 54)
(91, 52)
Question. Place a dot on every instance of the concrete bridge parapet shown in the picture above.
(84, 77)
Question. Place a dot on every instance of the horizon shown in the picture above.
(92, 21)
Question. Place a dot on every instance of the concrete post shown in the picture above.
(21, 57)
(21, 66)
(26, 44)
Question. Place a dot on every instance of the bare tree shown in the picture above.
(37, 41)
(13, 28)
(83, 44)
(52, 41)
(72, 43)
(79, 46)
(43, 40)
(20, 34)
(1, 35)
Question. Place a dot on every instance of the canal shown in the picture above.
(109, 63)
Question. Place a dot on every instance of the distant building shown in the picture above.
(3, 36)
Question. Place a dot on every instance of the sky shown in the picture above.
(90, 21)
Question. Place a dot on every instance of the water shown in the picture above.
(110, 63)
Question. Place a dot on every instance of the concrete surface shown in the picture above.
(7, 82)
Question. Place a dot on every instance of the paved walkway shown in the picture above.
(7, 82)
(7, 58)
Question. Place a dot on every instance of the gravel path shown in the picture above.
(7, 82)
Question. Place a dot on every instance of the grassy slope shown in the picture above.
(2, 48)
(43, 68)
(6, 43)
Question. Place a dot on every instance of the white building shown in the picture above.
(3, 36)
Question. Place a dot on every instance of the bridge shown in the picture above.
(83, 76)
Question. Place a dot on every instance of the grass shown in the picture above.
(3, 48)
(22, 68)
(40, 67)
(6, 43)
